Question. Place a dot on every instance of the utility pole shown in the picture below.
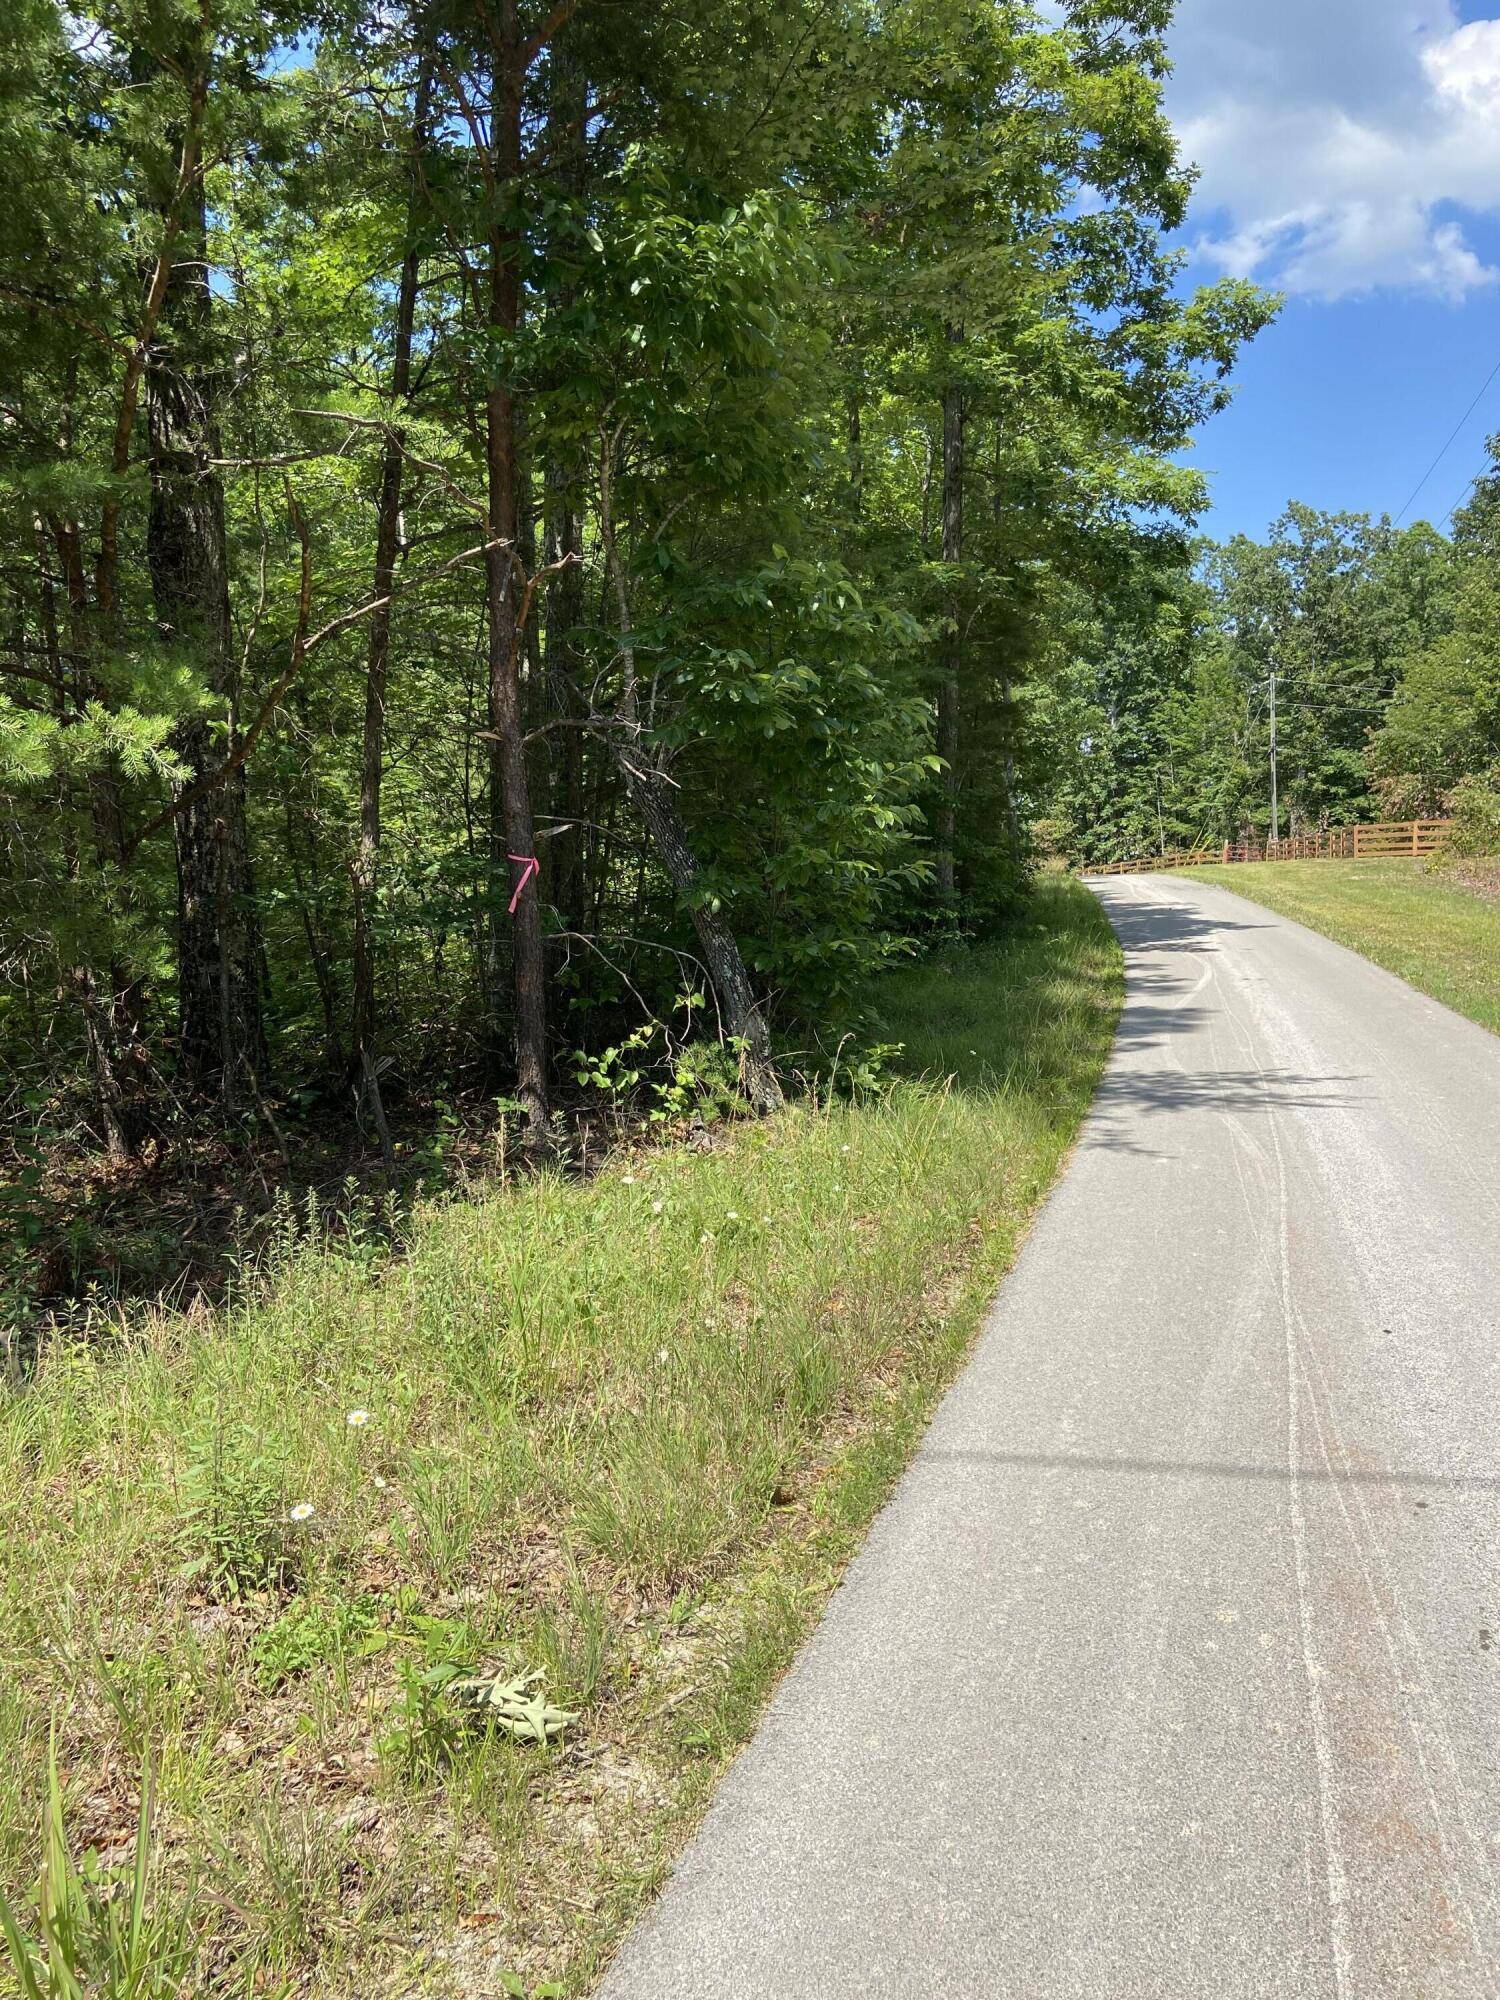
(1275, 818)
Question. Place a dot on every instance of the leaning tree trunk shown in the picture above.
(221, 1035)
(947, 743)
(648, 792)
(512, 836)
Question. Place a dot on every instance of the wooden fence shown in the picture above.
(1383, 838)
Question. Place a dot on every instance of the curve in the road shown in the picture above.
(1171, 1668)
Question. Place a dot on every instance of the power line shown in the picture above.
(1468, 489)
(1451, 436)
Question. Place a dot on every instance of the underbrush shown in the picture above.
(437, 1587)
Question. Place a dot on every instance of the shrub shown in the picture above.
(1474, 806)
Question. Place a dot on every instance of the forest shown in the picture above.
(543, 547)
(1385, 646)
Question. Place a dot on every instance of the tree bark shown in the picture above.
(366, 869)
(947, 743)
(512, 835)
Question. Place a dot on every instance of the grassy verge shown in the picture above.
(623, 1433)
(1436, 931)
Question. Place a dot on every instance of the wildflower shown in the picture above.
(734, 1215)
(302, 1511)
(627, 1180)
(380, 1482)
(656, 1208)
(661, 1354)
(765, 1218)
(357, 1419)
(843, 1149)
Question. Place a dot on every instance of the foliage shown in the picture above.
(252, 789)
(235, 1529)
(1383, 644)
(1474, 804)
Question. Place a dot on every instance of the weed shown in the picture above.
(574, 1644)
(315, 1633)
(236, 1531)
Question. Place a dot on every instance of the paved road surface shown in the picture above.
(1172, 1667)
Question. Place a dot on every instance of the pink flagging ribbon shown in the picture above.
(529, 866)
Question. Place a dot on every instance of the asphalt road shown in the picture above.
(1172, 1666)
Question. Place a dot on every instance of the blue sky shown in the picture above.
(1350, 157)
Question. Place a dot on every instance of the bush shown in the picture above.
(1474, 806)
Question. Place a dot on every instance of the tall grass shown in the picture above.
(620, 1432)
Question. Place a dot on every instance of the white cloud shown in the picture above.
(1344, 145)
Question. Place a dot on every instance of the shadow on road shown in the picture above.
(1241, 1091)
(1167, 948)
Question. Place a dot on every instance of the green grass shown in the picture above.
(624, 1433)
(1438, 934)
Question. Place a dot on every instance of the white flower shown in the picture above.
(656, 1208)
(734, 1215)
(357, 1419)
(765, 1218)
(627, 1180)
(661, 1354)
(302, 1511)
(843, 1149)
(380, 1482)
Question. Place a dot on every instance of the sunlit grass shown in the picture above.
(622, 1432)
(1432, 931)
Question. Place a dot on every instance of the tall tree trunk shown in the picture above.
(1007, 703)
(377, 659)
(947, 744)
(513, 842)
(222, 1040)
(856, 457)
